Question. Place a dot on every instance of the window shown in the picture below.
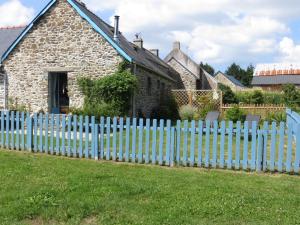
(149, 86)
(158, 84)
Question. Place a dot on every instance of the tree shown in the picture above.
(228, 95)
(235, 70)
(291, 95)
(208, 68)
(244, 76)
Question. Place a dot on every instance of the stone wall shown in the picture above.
(149, 97)
(61, 41)
(225, 81)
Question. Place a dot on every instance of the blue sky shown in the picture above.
(217, 31)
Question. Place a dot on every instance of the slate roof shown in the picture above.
(7, 36)
(232, 79)
(140, 56)
(276, 80)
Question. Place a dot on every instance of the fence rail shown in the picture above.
(193, 144)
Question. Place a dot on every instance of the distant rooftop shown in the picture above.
(277, 69)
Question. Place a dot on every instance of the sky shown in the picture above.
(218, 32)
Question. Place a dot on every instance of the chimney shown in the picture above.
(82, 3)
(176, 45)
(138, 41)
(116, 32)
(155, 52)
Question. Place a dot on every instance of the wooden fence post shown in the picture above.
(29, 132)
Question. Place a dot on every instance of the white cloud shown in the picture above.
(290, 52)
(14, 13)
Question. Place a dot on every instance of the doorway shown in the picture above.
(58, 93)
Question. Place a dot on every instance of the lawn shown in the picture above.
(40, 189)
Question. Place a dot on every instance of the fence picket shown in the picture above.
(121, 129)
(29, 132)
(238, 145)
(17, 131)
(207, 144)
(35, 130)
(230, 137)
(80, 136)
(133, 150)
(273, 146)
(178, 141)
(200, 142)
(185, 142)
(147, 154)
(172, 148)
(259, 159)
(168, 143)
(41, 135)
(154, 136)
(102, 130)
(2, 129)
(57, 135)
(222, 146)
(253, 145)
(140, 147)
(96, 138)
(114, 155)
(12, 130)
(63, 135)
(127, 140)
(108, 126)
(161, 142)
(23, 131)
(297, 158)
(75, 127)
(215, 144)
(266, 136)
(87, 133)
(246, 141)
(7, 130)
(192, 147)
(69, 134)
(289, 148)
(281, 146)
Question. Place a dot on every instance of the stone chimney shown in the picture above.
(138, 41)
(81, 2)
(155, 52)
(116, 31)
(176, 45)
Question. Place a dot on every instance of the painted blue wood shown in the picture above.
(35, 131)
(281, 146)
(168, 144)
(178, 142)
(273, 146)
(80, 137)
(200, 142)
(29, 132)
(154, 136)
(17, 131)
(141, 130)
(57, 134)
(259, 159)
(222, 146)
(51, 134)
(69, 135)
(75, 127)
(297, 158)
(63, 135)
(12, 131)
(289, 154)
(215, 144)
(121, 129)
(265, 149)
(108, 126)
(87, 133)
(238, 145)
(96, 142)
(114, 155)
(253, 145)
(147, 153)
(2, 129)
(102, 130)
(41, 135)
(207, 144)
(133, 153)
(230, 143)
(128, 123)
(246, 144)
(22, 131)
(7, 125)
(192, 147)
(185, 142)
(172, 148)
(93, 147)
(161, 141)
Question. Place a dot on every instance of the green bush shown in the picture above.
(168, 109)
(228, 95)
(276, 117)
(110, 95)
(291, 95)
(187, 112)
(235, 114)
(257, 97)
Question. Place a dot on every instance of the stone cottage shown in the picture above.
(40, 63)
(192, 76)
(229, 81)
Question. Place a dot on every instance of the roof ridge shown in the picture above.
(12, 27)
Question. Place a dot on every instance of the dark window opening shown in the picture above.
(149, 86)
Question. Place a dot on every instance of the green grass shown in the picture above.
(39, 189)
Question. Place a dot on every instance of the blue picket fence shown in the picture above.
(237, 146)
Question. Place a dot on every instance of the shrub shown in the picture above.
(291, 95)
(276, 117)
(228, 95)
(187, 112)
(257, 97)
(235, 114)
(168, 109)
